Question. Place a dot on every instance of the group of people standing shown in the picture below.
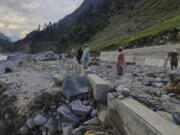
(83, 56)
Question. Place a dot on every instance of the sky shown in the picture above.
(19, 17)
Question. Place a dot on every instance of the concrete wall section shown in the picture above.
(132, 118)
(150, 56)
(99, 87)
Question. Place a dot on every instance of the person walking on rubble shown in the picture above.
(120, 65)
(79, 55)
(173, 59)
(85, 57)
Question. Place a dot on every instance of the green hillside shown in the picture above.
(144, 18)
(171, 23)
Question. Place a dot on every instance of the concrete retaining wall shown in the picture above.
(150, 56)
(128, 116)
(132, 118)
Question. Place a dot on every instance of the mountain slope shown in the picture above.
(4, 37)
(4, 40)
(102, 23)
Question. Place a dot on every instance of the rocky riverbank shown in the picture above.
(36, 98)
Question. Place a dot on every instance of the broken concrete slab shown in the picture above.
(75, 84)
(100, 88)
(65, 111)
(130, 117)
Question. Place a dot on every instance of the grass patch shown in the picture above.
(168, 24)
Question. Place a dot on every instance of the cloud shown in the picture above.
(19, 17)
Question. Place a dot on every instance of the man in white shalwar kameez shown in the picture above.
(85, 57)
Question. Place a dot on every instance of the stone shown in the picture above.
(30, 123)
(158, 85)
(67, 128)
(77, 131)
(93, 113)
(65, 111)
(58, 79)
(93, 121)
(78, 108)
(52, 125)
(126, 92)
(23, 130)
(74, 85)
(176, 117)
(40, 120)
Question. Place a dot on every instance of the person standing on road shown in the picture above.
(173, 59)
(79, 55)
(120, 65)
(85, 57)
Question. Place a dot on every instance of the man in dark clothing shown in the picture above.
(174, 59)
(79, 55)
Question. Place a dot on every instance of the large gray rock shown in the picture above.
(40, 120)
(75, 85)
(65, 111)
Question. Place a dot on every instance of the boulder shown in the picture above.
(74, 85)
(40, 120)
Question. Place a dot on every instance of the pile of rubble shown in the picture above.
(75, 114)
